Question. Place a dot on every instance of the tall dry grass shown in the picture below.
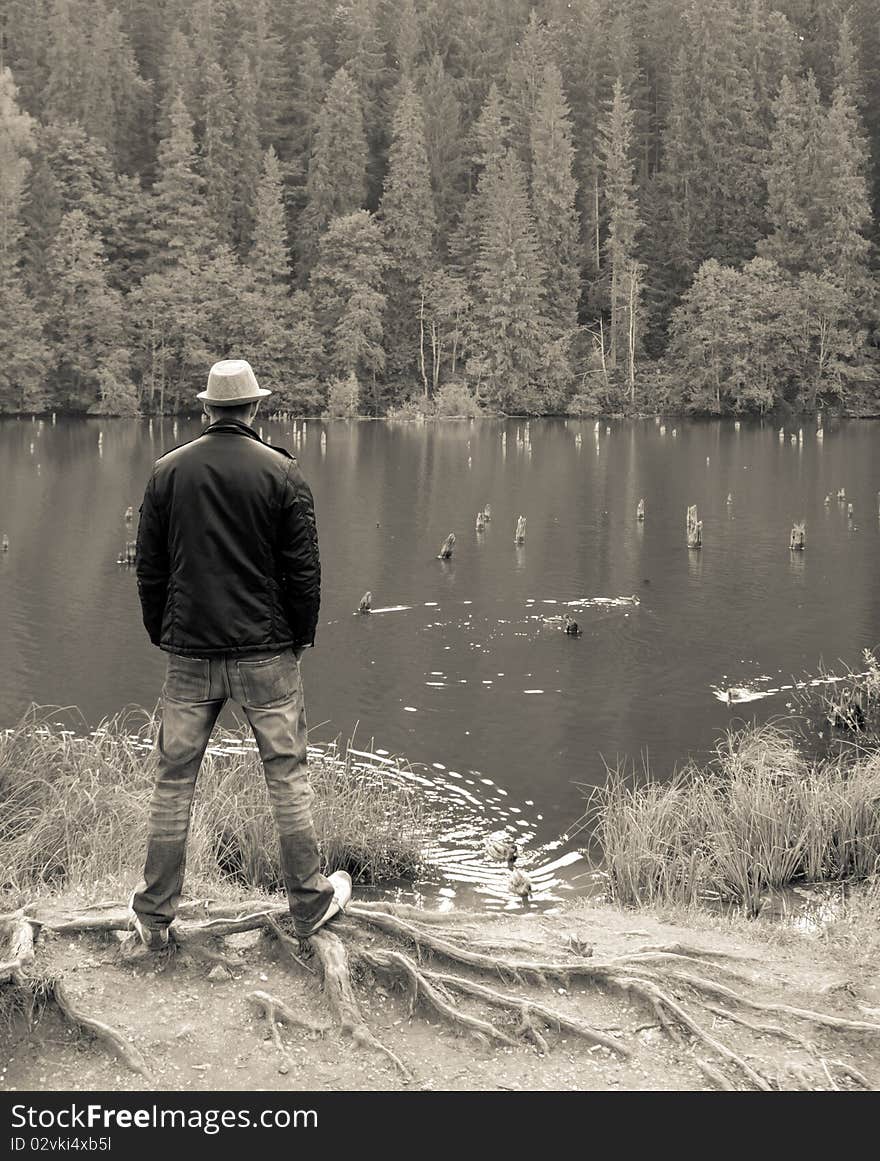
(758, 817)
(74, 808)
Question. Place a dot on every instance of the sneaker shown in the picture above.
(153, 938)
(342, 888)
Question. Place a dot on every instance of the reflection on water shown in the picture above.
(463, 667)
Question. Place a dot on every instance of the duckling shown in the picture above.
(129, 514)
(487, 513)
(446, 548)
(736, 693)
(729, 498)
(570, 626)
(481, 522)
(4, 543)
(501, 848)
(366, 605)
(518, 881)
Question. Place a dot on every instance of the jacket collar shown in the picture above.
(236, 427)
(230, 427)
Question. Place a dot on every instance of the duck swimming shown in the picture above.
(518, 881)
(501, 848)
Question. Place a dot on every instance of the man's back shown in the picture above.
(227, 543)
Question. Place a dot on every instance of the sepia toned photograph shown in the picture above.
(439, 533)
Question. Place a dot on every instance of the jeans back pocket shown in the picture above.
(269, 681)
(187, 678)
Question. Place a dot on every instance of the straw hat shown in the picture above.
(232, 382)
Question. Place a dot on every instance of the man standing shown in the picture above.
(229, 582)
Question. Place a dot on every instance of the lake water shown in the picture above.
(463, 669)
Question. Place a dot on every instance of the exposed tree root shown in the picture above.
(277, 1012)
(101, 1031)
(676, 984)
(331, 953)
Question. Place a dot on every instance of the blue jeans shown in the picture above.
(269, 689)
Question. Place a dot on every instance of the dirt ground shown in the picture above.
(196, 1030)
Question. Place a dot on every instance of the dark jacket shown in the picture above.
(227, 550)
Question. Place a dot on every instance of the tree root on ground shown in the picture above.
(439, 969)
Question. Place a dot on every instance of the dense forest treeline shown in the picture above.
(565, 206)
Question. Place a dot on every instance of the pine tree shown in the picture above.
(270, 74)
(349, 304)
(490, 139)
(508, 353)
(525, 77)
(410, 227)
(23, 354)
(179, 208)
(115, 100)
(269, 256)
(336, 183)
(444, 145)
(86, 325)
(616, 132)
(67, 61)
(792, 173)
(841, 245)
(218, 161)
(772, 51)
(407, 38)
(713, 148)
(303, 391)
(309, 89)
(177, 76)
(24, 40)
(553, 203)
(848, 66)
(247, 156)
(576, 35)
(361, 52)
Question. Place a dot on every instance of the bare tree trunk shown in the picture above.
(436, 356)
(422, 343)
(598, 253)
(615, 312)
(633, 296)
(602, 351)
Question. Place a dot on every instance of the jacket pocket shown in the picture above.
(269, 681)
(187, 678)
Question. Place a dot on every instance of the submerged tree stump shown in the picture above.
(694, 528)
(447, 547)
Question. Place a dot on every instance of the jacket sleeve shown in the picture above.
(151, 563)
(298, 563)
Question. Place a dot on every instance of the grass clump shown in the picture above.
(74, 808)
(760, 816)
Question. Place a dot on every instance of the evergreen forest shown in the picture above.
(401, 207)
